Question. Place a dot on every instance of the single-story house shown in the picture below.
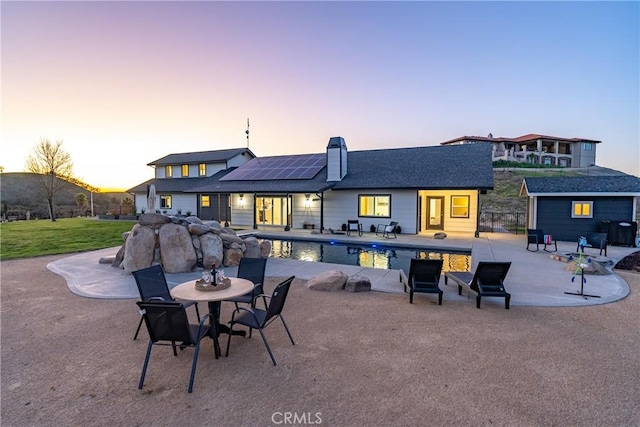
(424, 189)
(570, 207)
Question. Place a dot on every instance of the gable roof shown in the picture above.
(429, 168)
(620, 185)
(213, 156)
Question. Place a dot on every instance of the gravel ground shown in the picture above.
(359, 359)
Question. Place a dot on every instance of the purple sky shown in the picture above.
(125, 83)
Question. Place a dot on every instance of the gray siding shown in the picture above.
(554, 215)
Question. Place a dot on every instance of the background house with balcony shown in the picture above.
(537, 149)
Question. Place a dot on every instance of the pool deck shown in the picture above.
(535, 279)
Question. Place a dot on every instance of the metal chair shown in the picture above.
(251, 269)
(152, 286)
(354, 225)
(168, 325)
(255, 318)
(385, 230)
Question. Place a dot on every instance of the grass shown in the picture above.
(26, 239)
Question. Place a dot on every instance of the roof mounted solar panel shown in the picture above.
(304, 166)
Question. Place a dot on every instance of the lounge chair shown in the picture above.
(355, 226)
(424, 277)
(537, 237)
(487, 281)
(385, 230)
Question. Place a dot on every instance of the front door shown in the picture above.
(435, 213)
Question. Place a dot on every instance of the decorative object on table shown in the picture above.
(214, 275)
(581, 264)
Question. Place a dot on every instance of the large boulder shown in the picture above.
(265, 248)
(198, 229)
(252, 248)
(139, 249)
(176, 250)
(358, 283)
(333, 280)
(228, 238)
(211, 245)
(232, 257)
(153, 219)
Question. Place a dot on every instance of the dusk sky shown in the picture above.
(125, 83)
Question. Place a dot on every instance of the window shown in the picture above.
(165, 202)
(459, 206)
(202, 169)
(168, 171)
(205, 201)
(374, 205)
(185, 170)
(587, 146)
(582, 210)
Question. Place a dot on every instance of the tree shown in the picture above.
(81, 201)
(55, 167)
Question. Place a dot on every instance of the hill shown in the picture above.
(22, 192)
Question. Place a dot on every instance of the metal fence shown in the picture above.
(503, 222)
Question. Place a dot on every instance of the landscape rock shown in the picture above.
(265, 248)
(153, 219)
(358, 283)
(139, 249)
(232, 257)
(212, 251)
(198, 229)
(332, 280)
(252, 248)
(176, 250)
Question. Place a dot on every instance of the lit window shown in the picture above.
(205, 201)
(459, 206)
(165, 202)
(582, 210)
(202, 169)
(376, 206)
(185, 170)
(168, 171)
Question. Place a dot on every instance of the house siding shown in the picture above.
(554, 215)
(463, 225)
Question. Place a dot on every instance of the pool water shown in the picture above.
(384, 257)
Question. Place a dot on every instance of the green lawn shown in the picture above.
(25, 239)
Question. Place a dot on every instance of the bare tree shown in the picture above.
(55, 167)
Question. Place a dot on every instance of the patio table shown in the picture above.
(187, 291)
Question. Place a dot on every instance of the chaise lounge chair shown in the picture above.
(424, 277)
(487, 281)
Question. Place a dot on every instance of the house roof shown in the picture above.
(619, 185)
(524, 138)
(429, 168)
(198, 157)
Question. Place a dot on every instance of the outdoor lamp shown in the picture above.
(241, 199)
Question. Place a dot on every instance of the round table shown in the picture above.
(187, 291)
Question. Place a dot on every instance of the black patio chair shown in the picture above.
(251, 269)
(595, 241)
(385, 230)
(168, 325)
(535, 236)
(424, 277)
(254, 318)
(487, 281)
(355, 226)
(152, 286)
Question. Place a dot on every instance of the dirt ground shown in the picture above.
(360, 359)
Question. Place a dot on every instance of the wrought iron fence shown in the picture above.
(503, 222)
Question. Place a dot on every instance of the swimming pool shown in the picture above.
(372, 256)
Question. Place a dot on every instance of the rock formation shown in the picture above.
(181, 244)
